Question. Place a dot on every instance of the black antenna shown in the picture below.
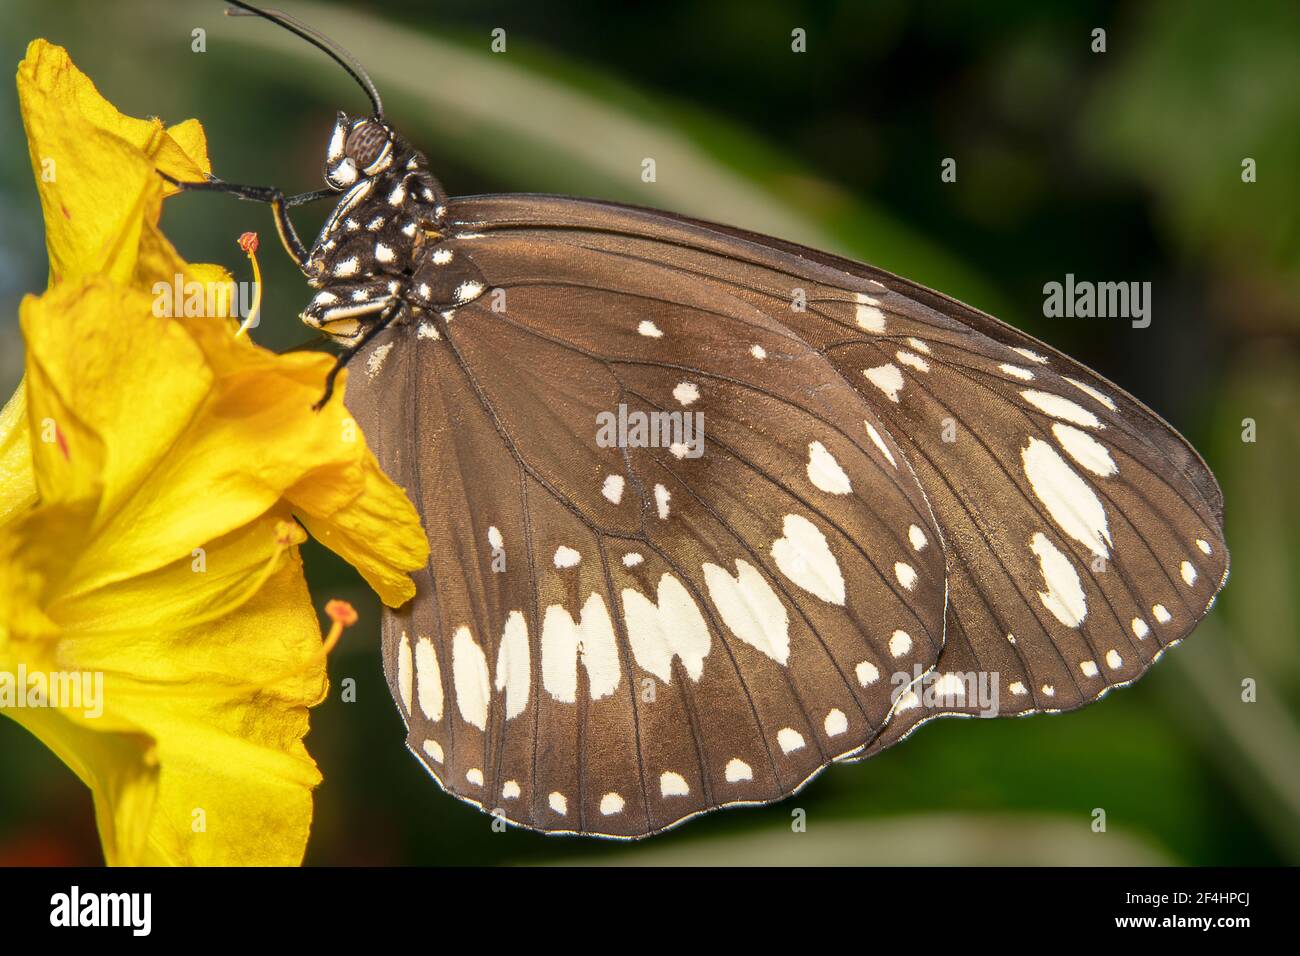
(317, 39)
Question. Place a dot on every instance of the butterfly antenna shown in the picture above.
(317, 39)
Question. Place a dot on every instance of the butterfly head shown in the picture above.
(359, 148)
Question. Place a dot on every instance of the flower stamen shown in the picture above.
(249, 242)
(344, 615)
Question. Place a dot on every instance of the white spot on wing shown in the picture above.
(950, 687)
(686, 392)
(632, 559)
(469, 672)
(887, 378)
(806, 559)
(789, 739)
(1089, 668)
(1017, 371)
(376, 360)
(610, 804)
(649, 329)
(558, 802)
(428, 679)
(825, 472)
(866, 314)
(738, 771)
(1089, 390)
(1031, 355)
(475, 776)
(433, 749)
(867, 673)
(405, 672)
(494, 537)
(758, 351)
(1113, 660)
(750, 607)
(514, 674)
(566, 557)
(612, 489)
(662, 497)
(1085, 449)
(900, 642)
(467, 291)
(836, 723)
(1069, 499)
(1140, 628)
(913, 361)
(672, 627)
(673, 784)
(1061, 408)
(906, 574)
(1064, 595)
(880, 443)
(1161, 613)
(510, 790)
(590, 639)
(1188, 572)
(917, 537)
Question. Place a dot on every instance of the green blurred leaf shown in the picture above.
(920, 840)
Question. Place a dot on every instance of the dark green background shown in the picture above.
(1122, 166)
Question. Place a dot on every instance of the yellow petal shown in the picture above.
(95, 167)
(17, 478)
(150, 464)
(358, 513)
(204, 698)
(236, 780)
(121, 770)
(101, 368)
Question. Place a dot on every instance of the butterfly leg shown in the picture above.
(391, 312)
(278, 201)
(342, 310)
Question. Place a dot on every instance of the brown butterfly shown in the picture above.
(709, 510)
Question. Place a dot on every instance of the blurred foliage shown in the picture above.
(1122, 165)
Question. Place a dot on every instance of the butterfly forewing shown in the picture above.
(616, 635)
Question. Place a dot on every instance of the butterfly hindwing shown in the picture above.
(1083, 534)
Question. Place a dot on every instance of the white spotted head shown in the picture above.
(358, 149)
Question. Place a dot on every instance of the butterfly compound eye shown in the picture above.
(368, 145)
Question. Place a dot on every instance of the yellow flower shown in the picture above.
(151, 470)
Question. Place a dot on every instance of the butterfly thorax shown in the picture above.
(378, 223)
(379, 250)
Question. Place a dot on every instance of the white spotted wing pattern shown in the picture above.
(614, 636)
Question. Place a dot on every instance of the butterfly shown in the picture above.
(708, 510)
